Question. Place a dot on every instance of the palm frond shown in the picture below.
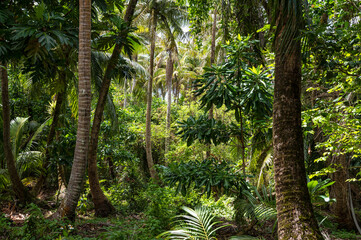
(36, 134)
(16, 133)
(4, 179)
(29, 163)
(196, 224)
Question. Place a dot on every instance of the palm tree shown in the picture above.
(102, 205)
(75, 186)
(168, 14)
(294, 210)
(148, 134)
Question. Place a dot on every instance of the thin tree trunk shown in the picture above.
(294, 209)
(19, 189)
(102, 205)
(148, 133)
(213, 54)
(75, 186)
(168, 74)
(241, 139)
(125, 93)
(59, 101)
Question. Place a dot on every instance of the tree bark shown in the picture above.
(75, 186)
(294, 209)
(168, 74)
(148, 130)
(102, 205)
(340, 191)
(19, 189)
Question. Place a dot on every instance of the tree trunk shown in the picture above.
(340, 191)
(102, 205)
(59, 101)
(168, 75)
(148, 133)
(294, 209)
(19, 189)
(213, 54)
(75, 186)
(125, 93)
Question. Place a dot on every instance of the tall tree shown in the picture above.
(294, 210)
(102, 205)
(212, 60)
(75, 186)
(18, 187)
(168, 76)
(148, 133)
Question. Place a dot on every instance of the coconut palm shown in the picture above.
(75, 186)
(102, 205)
(168, 14)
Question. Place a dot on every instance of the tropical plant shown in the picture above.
(197, 224)
(211, 174)
(28, 161)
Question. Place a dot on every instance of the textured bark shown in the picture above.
(340, 191)
(148, 130)
(168, 76)
(75, 186)
(19, 189)
(102, 205)
(294, 209)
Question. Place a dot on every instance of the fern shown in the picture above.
(197, 224)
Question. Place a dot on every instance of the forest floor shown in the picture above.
(120, 226)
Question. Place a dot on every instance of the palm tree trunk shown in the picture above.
(168, 74)
(294, 209)
(213, 54)
(19, 189)
(148, 133)
(75, 186)
(102, 205)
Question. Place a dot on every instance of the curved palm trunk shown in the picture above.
(148, 133)
(102, 205)
(168, 75)
(75, 186)
(294, 209)
(19, 189)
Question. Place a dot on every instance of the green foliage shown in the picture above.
(318, 191)
(118, 33)
(204, 129)
(196, 224)
(37, 227)
(5, 226)
(128, 229)
(208, 175)
(259, 205)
